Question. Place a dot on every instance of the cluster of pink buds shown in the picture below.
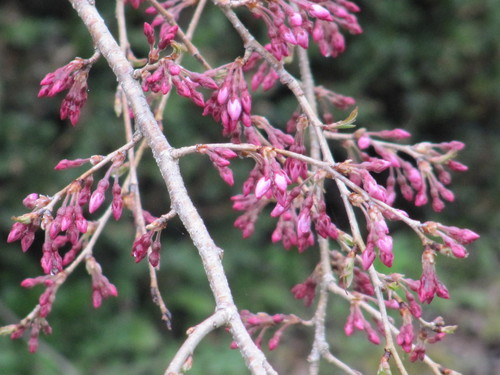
(72, 77)
(265, 75)
(454, 238)
(101, 287)
(47, 298)
(406, 335)
(252, 207)
(276, 15)
(143, 243)
(306, 290)
(36, 325)
(357, 321)
(68, 226)
(231, 103)
(429, 285)
(326, 33)
(24, 229)
(168, 73)
(290, 24)
(423, 338)
(414, 182)
(275, 136)
(378, 237)
(220, 159)
(167, 35)
(262, 322)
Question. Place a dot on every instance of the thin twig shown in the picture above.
(195, 335)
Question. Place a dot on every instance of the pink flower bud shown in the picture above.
(280, 181)
(304, 223)
(394, 134)
(456, 166)
(405, 337)
(227, 175)
(30, 200)
(287, 35)
(27, 240)
(117, 203)
(278, 318)
(174, 69)
(421, 198)
(223, 95)
(320, 12)
(234, 108)
(17, 232)
(141, 245)
(262, 187)
(457, 250)
(295, 19)
(463, 236)
(364, 142)
(97, 197)
(275, 340)
(302, 37)
(149, 33)
(317, 32)
(65, 163)
(254, 320)
(367, 257)
(372, 335)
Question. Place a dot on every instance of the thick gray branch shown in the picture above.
(169, 168)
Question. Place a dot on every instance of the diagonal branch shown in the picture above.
(169, 168)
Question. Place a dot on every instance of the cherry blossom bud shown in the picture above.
(275, 340)
(295, 19)
(463, 236)
(280, 180)
(302, 37)
(364, 142)
(17, 232)
(394, 134)
(174, 69)
(141, 245)
(305, 291)
(304, 223)
(97, 197)
(405, 337)
(30, 200)
(262, 187)
(456, 166)
(154, 257)
(149, 33)
(457, 250)
(287, 35)
(27, 240)
(81, 223)
(223, 95)
(367, 257)
(234, 108)
(117, 203)
(320, 12)
(421, 198)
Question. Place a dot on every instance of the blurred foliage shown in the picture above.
(430, 67)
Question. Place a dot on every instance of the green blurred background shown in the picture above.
(432, 68)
